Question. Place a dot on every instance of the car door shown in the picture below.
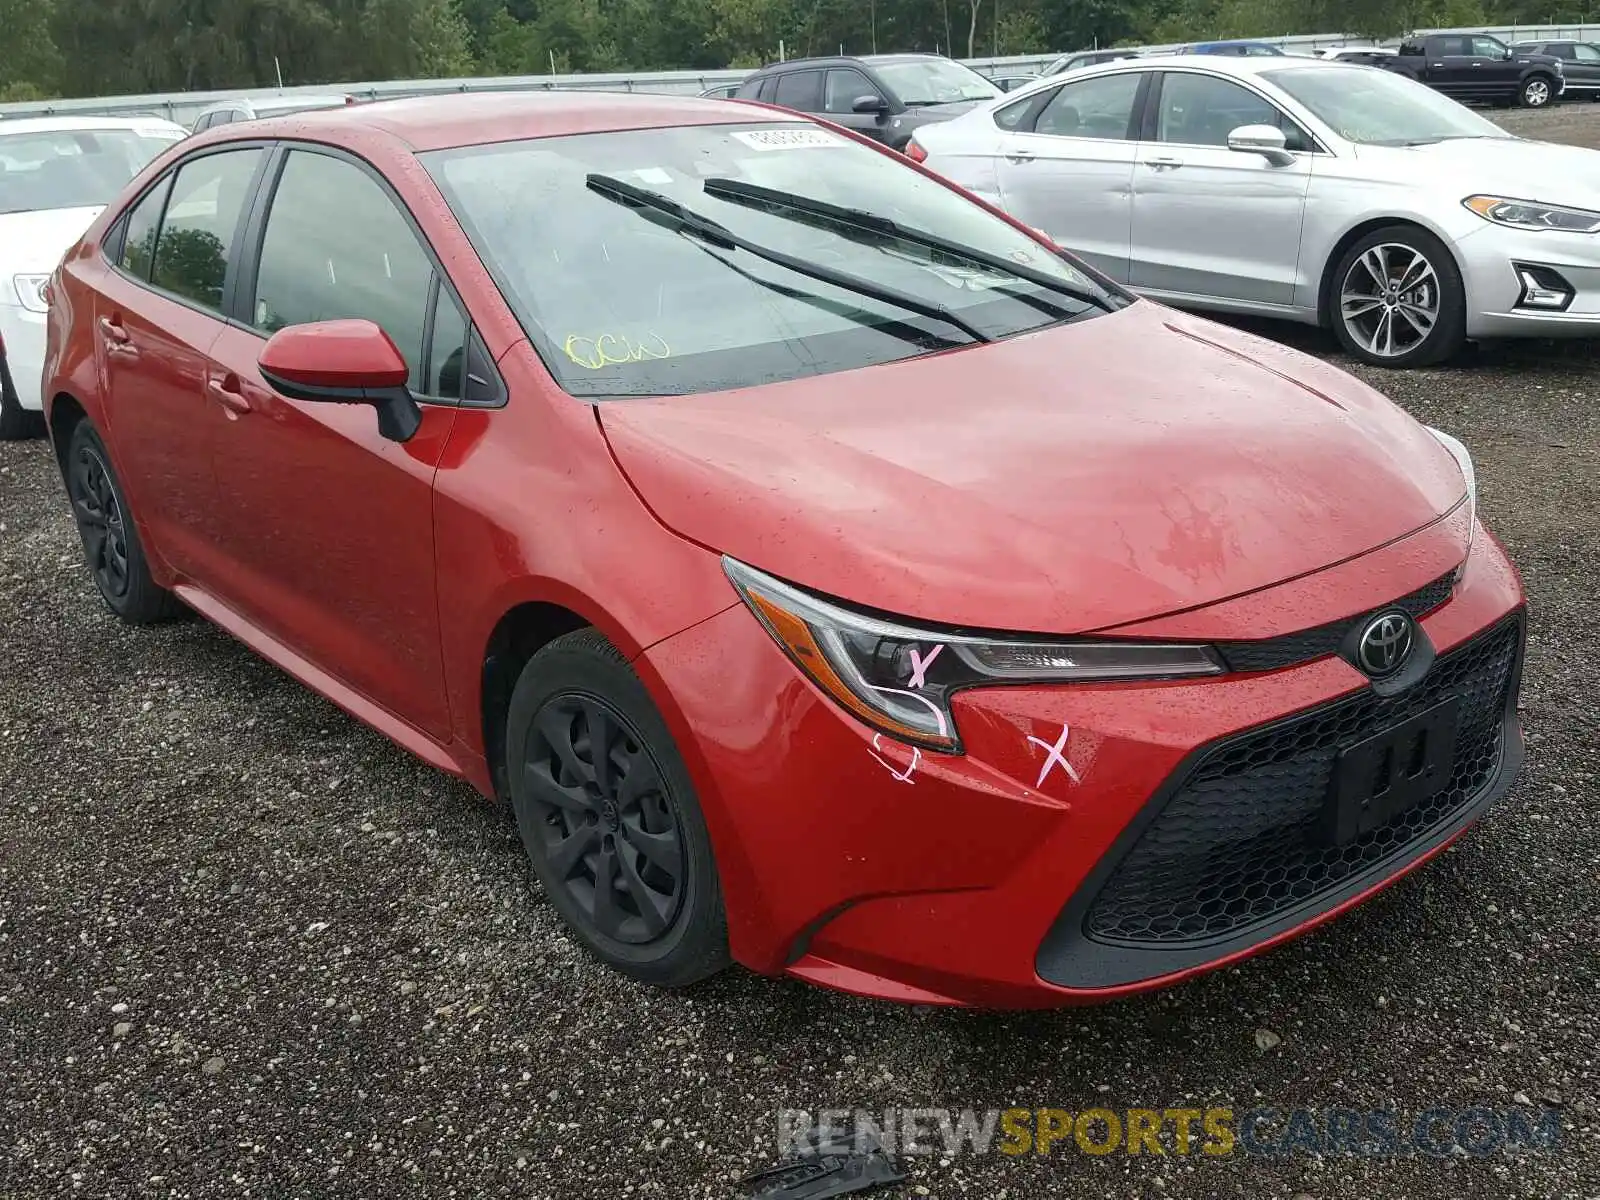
(330, 524)
(1065, 165)
(1450, 67)
(1494, 72)
(1209, 221)
(158, 312)
(1583, 68)
(842, 88)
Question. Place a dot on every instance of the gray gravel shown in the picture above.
(248, 948)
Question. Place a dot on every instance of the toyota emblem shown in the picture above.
(1385, 644)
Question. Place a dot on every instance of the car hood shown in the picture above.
(32, 243)
(1554, 174)
(1072, 479)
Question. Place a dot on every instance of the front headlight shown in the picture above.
(1529, 214)
(1463, 459)
(899, 679)
(30, 292)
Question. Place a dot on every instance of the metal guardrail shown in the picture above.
(183, 107)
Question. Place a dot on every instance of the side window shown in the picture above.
(844, 89)
(140, 229)
(1451, 47)
(1488, 47)
(448, 350)
(1201, 110)
(1586, 53)
(769, 89)
(801, 90)
(1094, 108)
(204, 122)
(191, 253)
(336, 247)
(1019, 116)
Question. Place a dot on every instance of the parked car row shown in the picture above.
(829, 573)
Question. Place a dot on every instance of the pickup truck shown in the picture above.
(1473, 67)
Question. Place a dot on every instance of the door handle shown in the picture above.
(117, 338)
(226, 393)
(1020, 156)
(1164, 163)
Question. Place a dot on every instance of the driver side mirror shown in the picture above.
(1266, 140)
(344, 362)
(870, 104)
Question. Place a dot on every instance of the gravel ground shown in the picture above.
(248, 948)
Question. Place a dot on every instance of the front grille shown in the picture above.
(1241, 842)
(1292, 649)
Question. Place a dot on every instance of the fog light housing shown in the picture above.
(1543, 288)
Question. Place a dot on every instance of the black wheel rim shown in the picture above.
(609, 832)
(101, 522)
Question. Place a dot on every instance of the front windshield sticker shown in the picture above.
(799, 138)
(611, 349)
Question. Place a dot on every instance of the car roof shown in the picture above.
(425, 123)
(69, 124)
(1217, 64)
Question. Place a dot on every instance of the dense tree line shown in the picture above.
(110, 47)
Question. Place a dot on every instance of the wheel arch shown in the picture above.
(1360, 230)
(63, 413)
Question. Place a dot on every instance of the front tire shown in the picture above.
(1537, 91)
(1397, 299)
(609, 817)
(110, 537)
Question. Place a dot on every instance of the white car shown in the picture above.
(56, 173)
(1315, 191)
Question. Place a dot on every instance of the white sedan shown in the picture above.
(56, 173)
(1313, 191)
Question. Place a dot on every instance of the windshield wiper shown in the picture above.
(689, 221)
(750, 194)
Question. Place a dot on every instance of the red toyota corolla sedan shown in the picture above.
(833, 576)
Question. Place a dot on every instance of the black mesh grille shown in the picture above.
(1241, 840)
(1291, 649)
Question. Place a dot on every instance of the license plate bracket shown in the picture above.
(1381, 777)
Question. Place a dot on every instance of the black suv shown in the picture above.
(1580, 62)
(884, 96)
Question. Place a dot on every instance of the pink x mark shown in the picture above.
(1053, 755)
(920, 665)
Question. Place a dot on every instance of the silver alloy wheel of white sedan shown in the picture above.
(1389, 299)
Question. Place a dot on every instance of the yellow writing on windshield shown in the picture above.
(611, 349)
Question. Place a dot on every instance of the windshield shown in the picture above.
(619, 304)
(935, 81)
(73, 168)
(1375, 107)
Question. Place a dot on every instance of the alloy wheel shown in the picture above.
(101, 521)
(1389, 301)
(1536, 94)
(610, 835)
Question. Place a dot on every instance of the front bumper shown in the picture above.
(1491, 258)
(24, 335)
(972, 880)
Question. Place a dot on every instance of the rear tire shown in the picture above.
(1538, 91)
(110, 535)
(609, 817)
(1396, 299)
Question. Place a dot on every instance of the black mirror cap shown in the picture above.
(399, 416)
